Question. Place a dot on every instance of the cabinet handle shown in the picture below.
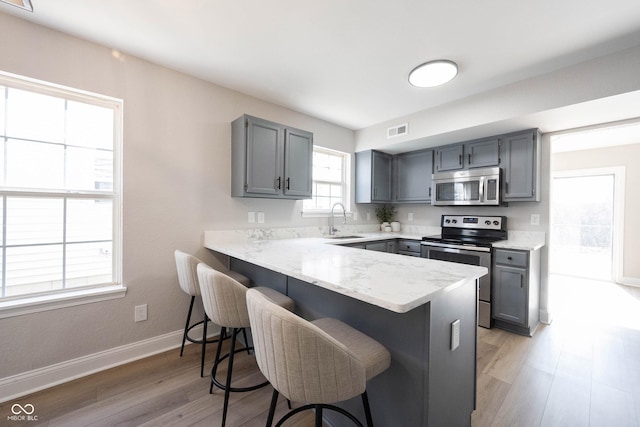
(460, 159)
(288, 183)
(429, 191)
(521, 280)
(279, 183)
(510, 258)
(469, 157)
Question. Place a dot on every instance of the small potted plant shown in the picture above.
(385, 214)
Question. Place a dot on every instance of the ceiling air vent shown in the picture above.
(399, 130)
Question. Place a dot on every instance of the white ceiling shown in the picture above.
(347, 61)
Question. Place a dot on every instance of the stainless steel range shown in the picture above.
(468, 239)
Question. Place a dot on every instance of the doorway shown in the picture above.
(585, 228)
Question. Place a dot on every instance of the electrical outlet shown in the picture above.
(368, 216)
(410, 216)
(251, 217)
(535, 219)
(260, 217)
(354, 216)
(140, 313)
(455, 334)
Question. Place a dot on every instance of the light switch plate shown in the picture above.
(140, 313)
(260, 217)
(410, 216)
(455, 334)
(251, 217)
(535, 219)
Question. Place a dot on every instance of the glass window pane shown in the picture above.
(89, 125)
(34, 220)
(89, 169)
(324, 203)
(35, 116)
(88, 264)
(33, 269)
(34, 164)
(89, 220)
(323, 189)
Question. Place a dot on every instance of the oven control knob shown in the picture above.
(487, 222)
(495, 223)
(454, 220)
(447, 221)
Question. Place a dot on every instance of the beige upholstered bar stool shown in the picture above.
(186, 265)
(225, 303)
(320, 362)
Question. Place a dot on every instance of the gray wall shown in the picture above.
(177, 137)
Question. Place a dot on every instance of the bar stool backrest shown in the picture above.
(186, 265)
(300, 360)
(224, 298)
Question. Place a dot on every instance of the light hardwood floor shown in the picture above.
(582, 370)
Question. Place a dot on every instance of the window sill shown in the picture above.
(36, 304)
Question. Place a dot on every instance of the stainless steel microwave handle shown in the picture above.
(483, 182)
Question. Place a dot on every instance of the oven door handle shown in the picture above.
(466, 248)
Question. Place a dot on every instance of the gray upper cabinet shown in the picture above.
(373, 177)
(521, 163)
(449, 158)
(270, 160)
(482, 153)
(412, 176)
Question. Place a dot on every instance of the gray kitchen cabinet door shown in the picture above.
(264, 157)
(483, 153)
(510, 290)
(449, 158)
(298, 161)
(376, 246)
(413, 173)
(270, 160)
(521, 164)
(373, 177)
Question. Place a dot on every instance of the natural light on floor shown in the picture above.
(595, 304)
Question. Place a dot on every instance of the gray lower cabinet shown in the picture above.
(270, 160)
(390, 246)
(373, 177)
(412, 176)
(516, 290)
(521, 166)
(409, 247)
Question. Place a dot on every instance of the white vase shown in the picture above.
(395, 226)
(384, 226)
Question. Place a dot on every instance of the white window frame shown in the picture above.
(346, 193)
(32, 303)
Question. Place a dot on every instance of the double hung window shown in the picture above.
(330, 174)
(60, 189)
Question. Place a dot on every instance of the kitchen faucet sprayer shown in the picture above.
(332, 229)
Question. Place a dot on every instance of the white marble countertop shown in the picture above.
(522, 240)
(396, 282)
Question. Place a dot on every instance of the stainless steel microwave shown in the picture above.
(472, 187)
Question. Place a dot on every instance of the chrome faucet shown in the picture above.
(332, 229)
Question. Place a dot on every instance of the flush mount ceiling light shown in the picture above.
(23, 4)
(433, 73)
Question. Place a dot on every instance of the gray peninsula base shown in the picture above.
(428, 383)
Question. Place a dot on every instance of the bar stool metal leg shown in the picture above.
(186, 327)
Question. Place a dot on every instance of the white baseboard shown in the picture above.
(630, 281)
(29, 382)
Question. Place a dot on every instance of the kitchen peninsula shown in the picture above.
(411, 305)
